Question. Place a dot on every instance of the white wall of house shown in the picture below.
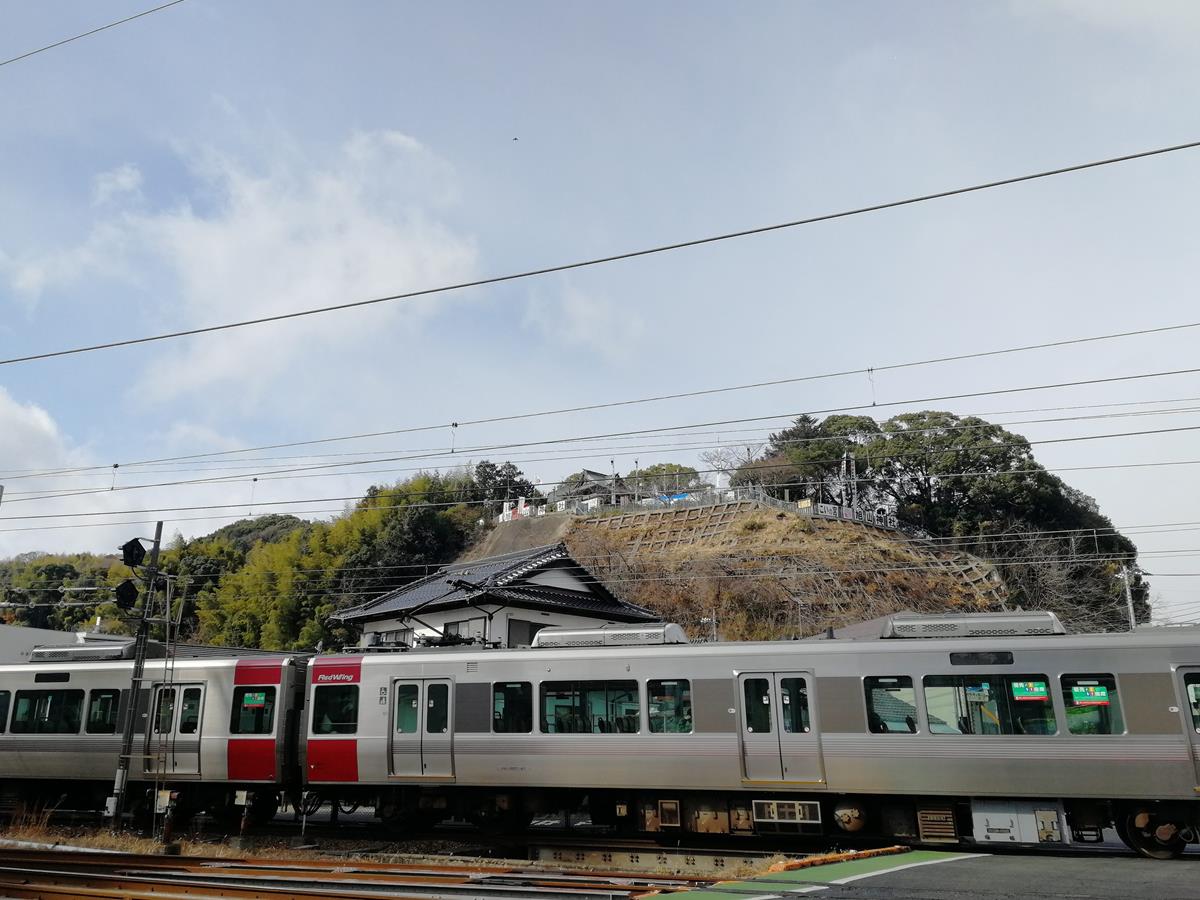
(498, 629)
(559, 578)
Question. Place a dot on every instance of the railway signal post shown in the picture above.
(133, 554)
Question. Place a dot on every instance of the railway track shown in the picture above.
(108, 876)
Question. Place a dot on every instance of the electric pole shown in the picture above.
(132, 555)
(1128, 598)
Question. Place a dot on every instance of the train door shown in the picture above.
(1191, 712)
(422, 738)
(173, 739)
(779, 742)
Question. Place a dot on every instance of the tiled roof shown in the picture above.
(501, 578)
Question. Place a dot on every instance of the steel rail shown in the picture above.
(81, 874)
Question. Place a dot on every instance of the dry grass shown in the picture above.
(337, 852)
(770, 574)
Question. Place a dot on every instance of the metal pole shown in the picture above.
(116, 803)
(1128, 598)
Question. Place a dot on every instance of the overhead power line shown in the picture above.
(88, 33)
(862, 407)
(602, 260)
(274, 474)
(240, 474)
(985, 473)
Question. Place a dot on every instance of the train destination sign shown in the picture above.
(254, 700)
(1030, 690)
(1089, 695)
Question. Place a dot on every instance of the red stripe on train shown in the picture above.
(251, 759)
(259, 671)
(333, 759)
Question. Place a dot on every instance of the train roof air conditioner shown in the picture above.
(972, 625)
(612, 636)
(86, 652)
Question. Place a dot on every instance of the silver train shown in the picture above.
(986, 730)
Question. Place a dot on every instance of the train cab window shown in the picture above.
(335, 709)
(891, 704)
(591, 707)
(408, 717)
(793, 694)
(437, 708)
(47, 712)
(989, 704)
(512, 707)
(102, 711)
(1191, 683)
(253, 710)
(4, 698)
(757, 692)
(1092, 704)
(669, 705)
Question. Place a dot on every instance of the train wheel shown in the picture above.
(264, 807)
(1150, 836)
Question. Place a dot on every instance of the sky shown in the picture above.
(219, 161)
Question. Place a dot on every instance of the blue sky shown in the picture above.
(224, 160)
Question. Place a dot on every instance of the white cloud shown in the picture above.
(575, 318)
(264, 238)
(1170, 21)
(122, 182)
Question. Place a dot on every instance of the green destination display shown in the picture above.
(1089, 695)
(255, 700)
(1030, 690)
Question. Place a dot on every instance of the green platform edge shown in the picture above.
(775, 882)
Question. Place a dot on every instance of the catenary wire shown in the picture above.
(275, 472)
(617, 257)
(77, 37)
(342, 466)
(743, 420)
(619, 403)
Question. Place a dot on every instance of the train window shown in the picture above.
(891, 704)
(102, 711)
(335, 709)
(166, 711)
(1092, 704)
(1192, 682)
(437, 708)
(591, 707)
(669, 705)
(4, 698)
(512, 707)
(253, 710)
(989, 704)
(189, 711)
(757, 692)
(47, 712)
(407, 714)
(793, 694)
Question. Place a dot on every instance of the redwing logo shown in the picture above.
(335, 676)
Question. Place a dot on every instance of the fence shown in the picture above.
(755, 493)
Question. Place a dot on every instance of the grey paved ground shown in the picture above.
(1019, 876)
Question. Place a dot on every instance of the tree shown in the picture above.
(496, 484)
(665, 478)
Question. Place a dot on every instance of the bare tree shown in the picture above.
(728, 459)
